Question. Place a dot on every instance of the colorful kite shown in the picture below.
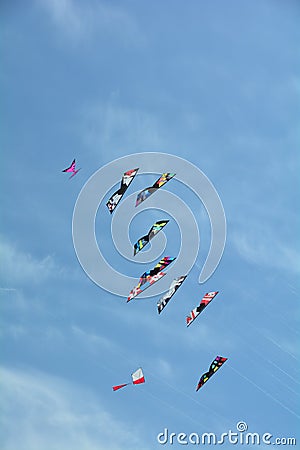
(215, 365)
(125, 182)
(203, 304)
(143, 241)
(137, 378)
(172, 289)
(144, 283)
(72, 168)
(150, 277)
(145, 193)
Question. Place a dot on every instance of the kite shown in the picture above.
(145, 193)
(215, 365)
(168, 295)
(145, 281)
(143, 241)
(150, 277)
(137, 378)
(72, 168)
(125, 182)
(203, 304)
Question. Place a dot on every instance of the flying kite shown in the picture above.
(145, 193)
(150, 277)
(125, 182)
(215, 365)
(137, 378)
(72, 168)
(203, 304)
(168, 295)
(143, 241)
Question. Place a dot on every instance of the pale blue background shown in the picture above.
(216, 83)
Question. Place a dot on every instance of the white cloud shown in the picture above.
(64, 14)
(93, 342)
(163, 368)
(40, 412)
(81, 19)
(14, 331)
(19, 267)
(113, 127)
(8, 289)
(259, 246)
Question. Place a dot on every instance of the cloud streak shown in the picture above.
(50, 413)
(112, 125)
(78, 20)
(19, 267)
(260, 247)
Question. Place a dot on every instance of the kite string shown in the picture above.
(170, 405)
(264, 391)
(279, 346)
(253, 349)
(145, 392)
(192, 398)
(127, 359)
(283, 371)
(278, 401)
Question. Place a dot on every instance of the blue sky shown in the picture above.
(217, 84)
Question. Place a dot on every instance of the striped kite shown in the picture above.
(168, 295)
(150, 277)
(127, 178)
(203, 304)
(145, 193)
(143, 241)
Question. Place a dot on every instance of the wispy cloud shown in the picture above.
(13, 331)
(163, 368)
(50, 413)
(79, 20)
(19, 267)
(113, 126)
(8, 289)
(65, 14)
(92, 341)
(259, 246)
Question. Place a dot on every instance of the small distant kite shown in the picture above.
(215, 365)
(150, 277)
(127, 178)
(72, 168)
(168, 295)
(203, 304)
(143, 241)
(137, 378)
(145, 193)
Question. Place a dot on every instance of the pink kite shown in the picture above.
(72, 169)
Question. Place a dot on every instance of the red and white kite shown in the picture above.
(137, 378)
(203, 304)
